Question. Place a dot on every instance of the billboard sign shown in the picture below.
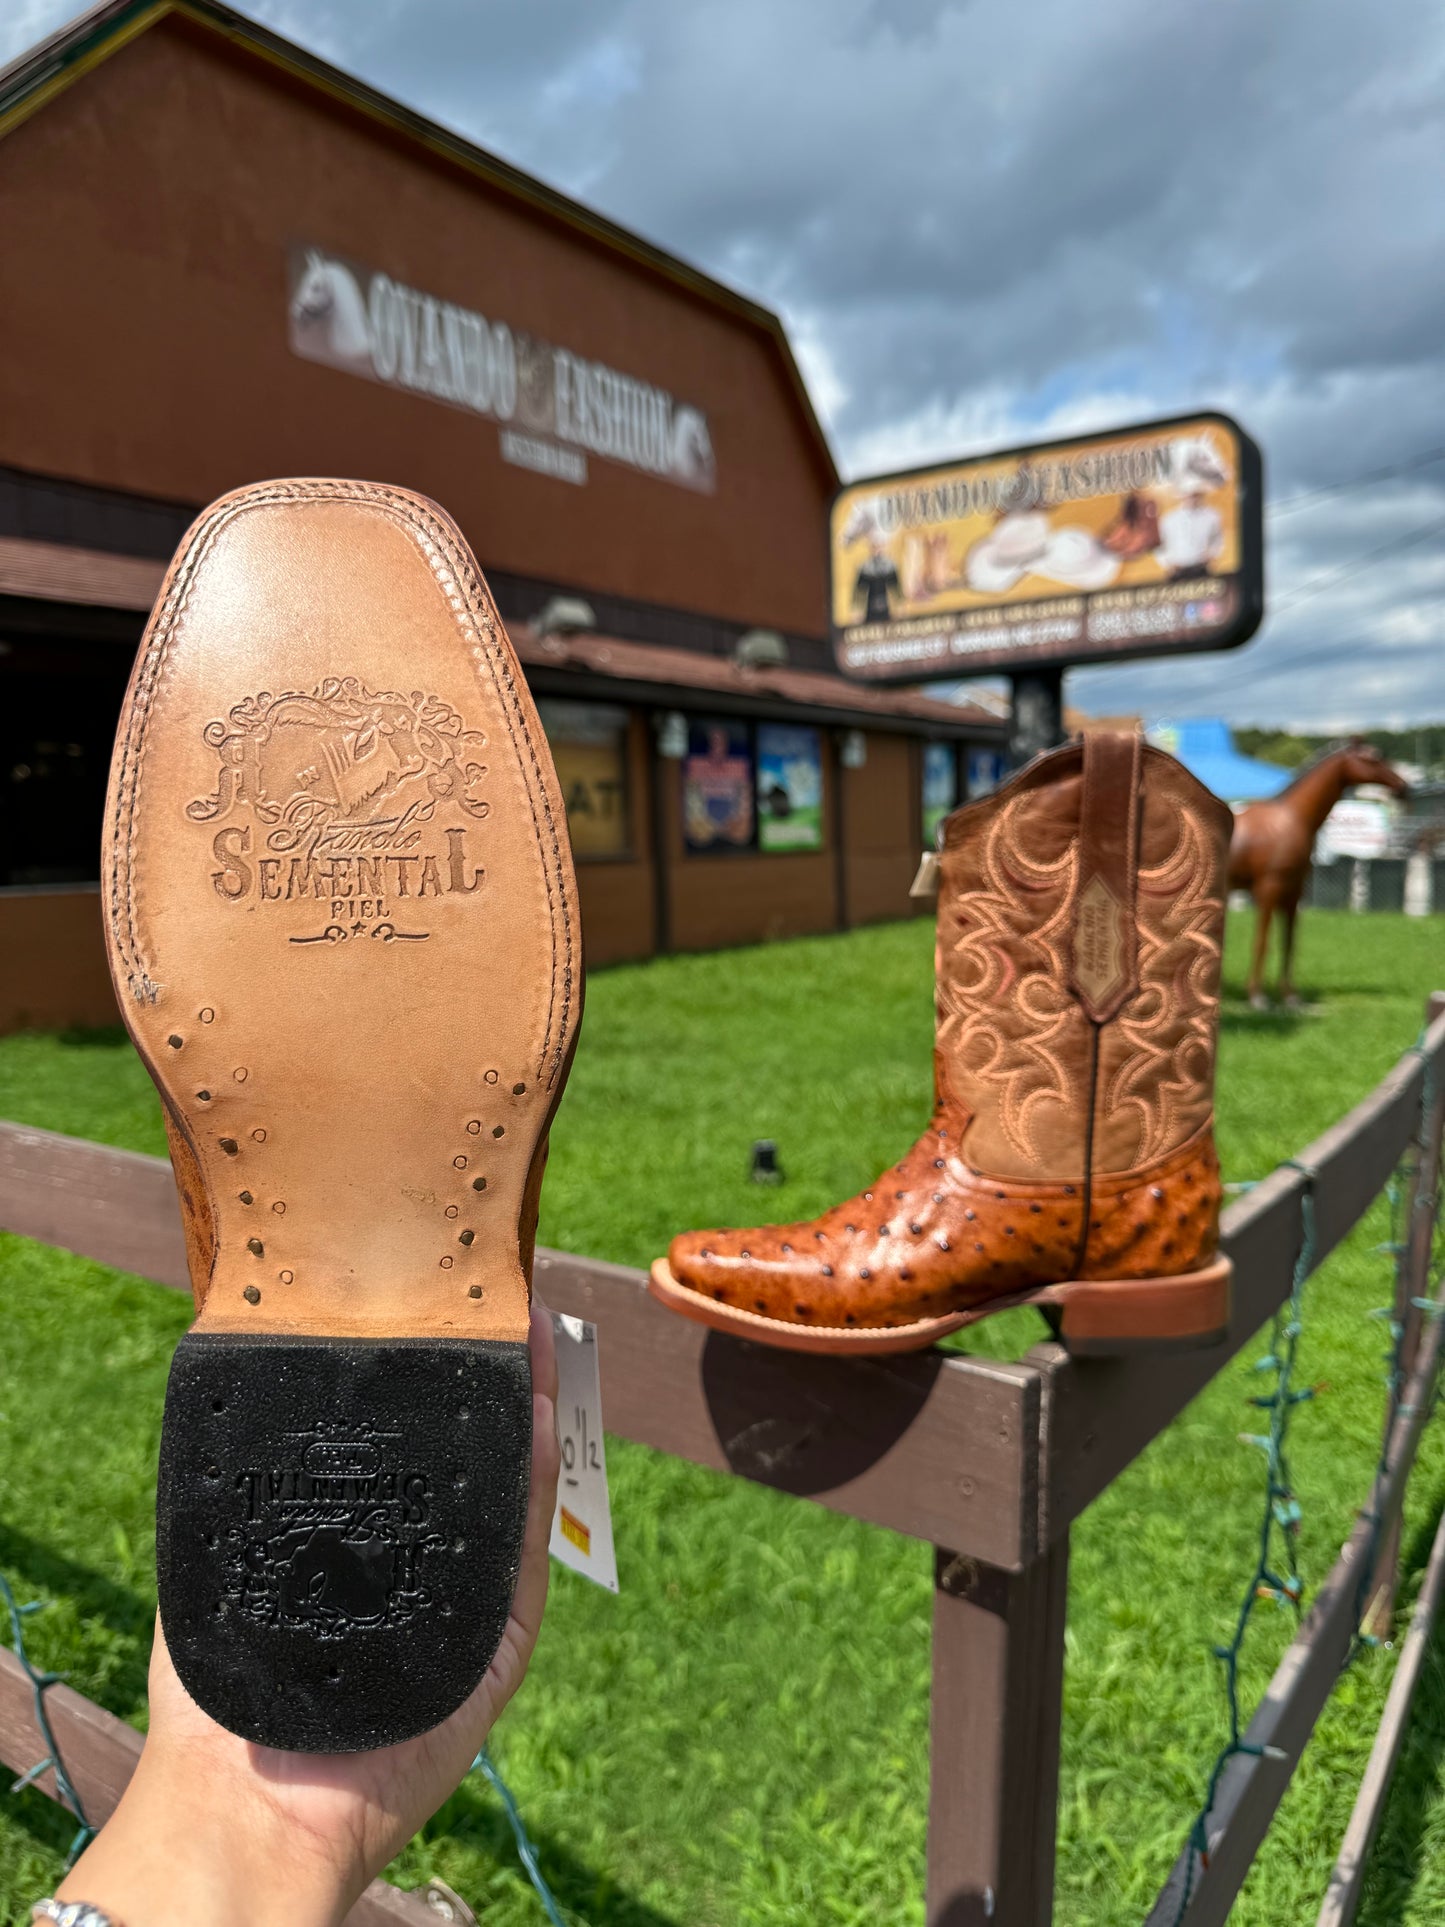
(1141, 542)
(1356, 826)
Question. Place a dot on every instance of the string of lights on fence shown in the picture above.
(40, 1684)
(1281, 1519)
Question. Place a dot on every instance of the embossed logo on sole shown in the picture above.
(341, 793)
(338, 1536)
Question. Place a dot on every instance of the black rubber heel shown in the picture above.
(339, 1528)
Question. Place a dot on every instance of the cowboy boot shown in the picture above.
(1070, 1160)
(342, 925)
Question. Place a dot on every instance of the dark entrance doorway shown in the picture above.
(60, 696)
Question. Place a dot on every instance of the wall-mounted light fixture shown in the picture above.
(671, 730)
(761, 649)
(853, 750)
(564, 615)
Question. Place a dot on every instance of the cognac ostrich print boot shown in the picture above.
(1070, 1162)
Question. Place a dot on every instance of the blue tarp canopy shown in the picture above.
(1206, 748)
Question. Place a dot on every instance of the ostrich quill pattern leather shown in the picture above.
(1061, 1148)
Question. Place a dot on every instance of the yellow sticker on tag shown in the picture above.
(573, 1529)
(582, 1522)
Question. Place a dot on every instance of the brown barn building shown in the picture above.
(223, 260)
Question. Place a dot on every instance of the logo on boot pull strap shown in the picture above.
(1098, 943)
(339, 791)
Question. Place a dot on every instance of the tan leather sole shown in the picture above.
(342, 924)
(1095, 1317)
(341, 914)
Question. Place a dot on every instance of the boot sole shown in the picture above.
(1096, 1318)
(343, 929)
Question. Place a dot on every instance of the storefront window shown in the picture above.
(940, 787)
(718, 785)
(589, 746)
(57, 726)
(790, 787)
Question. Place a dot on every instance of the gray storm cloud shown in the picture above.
(985, 223)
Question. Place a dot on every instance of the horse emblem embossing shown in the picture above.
(331, 753)
(333, 793)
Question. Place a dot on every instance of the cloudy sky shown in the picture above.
(986, 222)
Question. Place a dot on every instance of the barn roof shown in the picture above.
(55, 64)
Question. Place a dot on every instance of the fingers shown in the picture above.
(531, 1595)
(543, 1347)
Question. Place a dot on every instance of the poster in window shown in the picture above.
(790, 787)
(589, 747)
(940, 787)
(717, 786)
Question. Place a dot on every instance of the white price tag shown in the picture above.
(582, 1527)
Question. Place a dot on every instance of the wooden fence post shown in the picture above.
(1411, 1279)
(998, 1680)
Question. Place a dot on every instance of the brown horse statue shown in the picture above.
(1274, 841)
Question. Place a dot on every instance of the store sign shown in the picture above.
(553, 406)
(588, 742)
(1355, 827)
(1145, 541)
(717, 786)
(790, 787)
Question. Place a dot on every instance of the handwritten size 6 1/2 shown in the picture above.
(579, 1448)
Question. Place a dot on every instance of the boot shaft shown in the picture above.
(1080, 928)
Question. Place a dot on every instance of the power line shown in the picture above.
(1327, 578)
(1360, 481)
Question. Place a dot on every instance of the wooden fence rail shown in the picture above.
(991, 1463)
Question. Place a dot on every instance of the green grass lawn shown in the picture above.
(741, 1736)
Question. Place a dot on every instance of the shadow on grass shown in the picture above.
(34, 1568)
(50, 1825)
(92, 1037)
(1274, 1022)
(1400, 1851)
(584, 1893)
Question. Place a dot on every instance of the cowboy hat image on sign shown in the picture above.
(342, 925)
(1139, 542)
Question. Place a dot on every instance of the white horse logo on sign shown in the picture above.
(328, 315)
(693, 461)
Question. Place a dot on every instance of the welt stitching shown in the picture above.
(500, 671)
(407, 513)
(134, 756)
(443, 548)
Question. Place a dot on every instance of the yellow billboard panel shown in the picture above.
(1139, 542)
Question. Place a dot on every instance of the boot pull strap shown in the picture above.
(1106, 937)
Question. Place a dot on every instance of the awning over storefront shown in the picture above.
(598, 664)
(50, 572)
